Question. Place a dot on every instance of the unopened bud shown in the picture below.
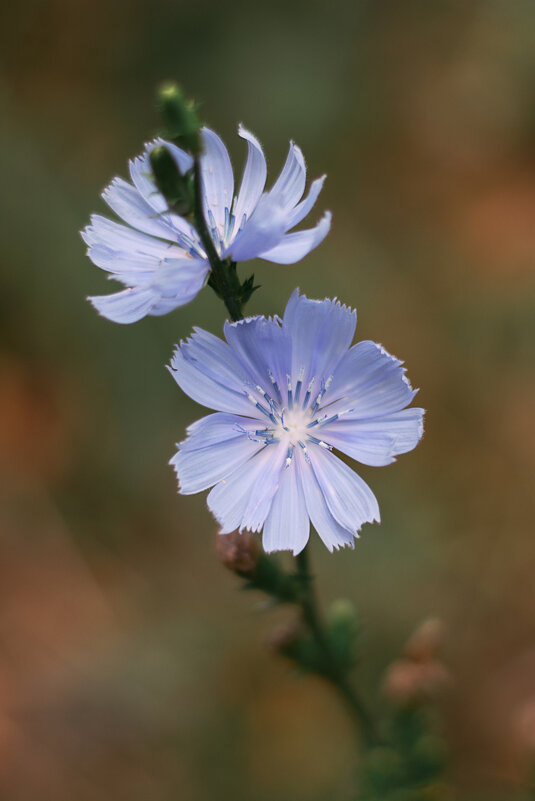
(343, 613)
(409, 682)
(524, 725)
(180, 118)
(343, 632)
(238, 552)
(425, 643)
(283, 638)
(177, 189)
(384, 769)
(429, 754)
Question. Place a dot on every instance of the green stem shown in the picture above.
(225, 282)
(333, 672)
(223, 278)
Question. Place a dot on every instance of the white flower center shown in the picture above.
(297, 419)
(293, 426)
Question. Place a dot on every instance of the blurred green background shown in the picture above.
(131, 668)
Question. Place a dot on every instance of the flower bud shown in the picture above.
(409, 682)
(343, 632)
(384, 770)
(524, 724)
(425, 643)
(238, 552)
(180, 118)
(283, 638)
(342, 613)
(429, 755)
(177, 189)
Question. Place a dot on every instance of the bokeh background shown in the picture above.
(131, 667)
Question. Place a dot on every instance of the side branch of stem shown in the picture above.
(333, 672)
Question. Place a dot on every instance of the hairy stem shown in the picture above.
(333, 672)
(223, 278)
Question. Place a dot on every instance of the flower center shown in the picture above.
(293, 425)
(293, 420)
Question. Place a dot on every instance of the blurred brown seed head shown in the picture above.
(238, 552)
(524, 725)
(418, 676)
(410, 682)
(425, 643)
(284, 636)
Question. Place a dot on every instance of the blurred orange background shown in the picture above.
(130, 665)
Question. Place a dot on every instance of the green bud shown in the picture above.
(429, 755)
(180, 118)
(343, 613)
(177, 189)
(343, 632)
(384, 771)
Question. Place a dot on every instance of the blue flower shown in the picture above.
(286, 393)
(158, 255)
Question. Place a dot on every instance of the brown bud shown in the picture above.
(425, 643)
(524, 725)
(410, 682)
(284, 636)
(238, 552)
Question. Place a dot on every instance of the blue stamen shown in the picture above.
(321, 443)
(290, 396)
(275, 386)
(309, 390)
(329, 419)
(289, 455)
(304, 447)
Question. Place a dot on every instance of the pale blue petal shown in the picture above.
(229, 500)
(181, 278)
(254, 178)
(370, 382)
(127, 203)
(350, 500)
(262, 493)
(287, 527)
(306, 205)
(215, 428)
(216, 359)
(132, 256)
(293, 247)
(376, 441)
(217, 176)
(127, 306)
(261, 232)
(166, 305)
(141, 175)
(131, 269)
(183, 160)
(332, 534)
(321, 332)
(207, 370)
(123, 239)
(290, 184)
(264, 347)
(143, 262)
(215, 447)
